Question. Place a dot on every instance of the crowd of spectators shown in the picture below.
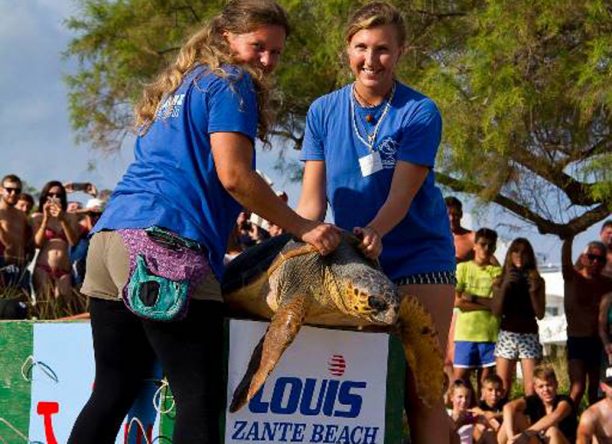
(43, 246)
(42, 255)
(495, 327)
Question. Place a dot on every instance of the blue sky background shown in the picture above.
(37, 143)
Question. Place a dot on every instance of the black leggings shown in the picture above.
(125, 347)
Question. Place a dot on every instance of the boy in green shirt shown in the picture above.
(476, 327)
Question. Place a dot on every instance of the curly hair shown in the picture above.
(209, 47)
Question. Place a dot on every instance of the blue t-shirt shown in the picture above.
(172, 182)
(410, 131)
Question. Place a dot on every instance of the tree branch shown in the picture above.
(577, 192)
(545, 226)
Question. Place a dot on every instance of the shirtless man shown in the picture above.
(463, 238)
(595, 424)
(584, 287)
(464, 251)
(15, 235)
(606, 237)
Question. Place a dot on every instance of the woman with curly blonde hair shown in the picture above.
(164, 232)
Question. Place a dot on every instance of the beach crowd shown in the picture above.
(146, 260)
(493, 327)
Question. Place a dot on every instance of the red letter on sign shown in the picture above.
(47, 409)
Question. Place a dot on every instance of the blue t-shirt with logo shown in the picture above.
(172, 182)
(409, 131)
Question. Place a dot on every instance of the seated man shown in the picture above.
(596, 421)
(489, 411)
(545, 417)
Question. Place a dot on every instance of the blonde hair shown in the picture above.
(376, 14)
(209, 47)
(544, 373)
(461, 384)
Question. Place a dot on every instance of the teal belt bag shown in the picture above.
(164, 270)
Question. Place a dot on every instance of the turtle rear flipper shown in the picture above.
(422, 350)
(281, 332)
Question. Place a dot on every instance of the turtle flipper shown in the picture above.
(422, 349)
(281, 332)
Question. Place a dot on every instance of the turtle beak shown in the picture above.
(377, 303)
(382, 311)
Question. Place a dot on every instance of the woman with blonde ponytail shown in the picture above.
(160, 243)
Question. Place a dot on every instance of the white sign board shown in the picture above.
(62, 377)
(329, 387)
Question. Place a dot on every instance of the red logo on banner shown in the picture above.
(47, 410)
(336, 365)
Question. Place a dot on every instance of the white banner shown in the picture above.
(62, 375)
(329, 387)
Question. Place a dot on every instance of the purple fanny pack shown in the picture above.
(164, 269)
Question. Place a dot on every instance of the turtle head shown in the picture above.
(359, 287)
(371, 295)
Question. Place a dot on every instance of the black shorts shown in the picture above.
(587, 349)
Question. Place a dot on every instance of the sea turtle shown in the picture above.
(288, 282)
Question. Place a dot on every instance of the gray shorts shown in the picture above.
(515, 346)
(108, 267)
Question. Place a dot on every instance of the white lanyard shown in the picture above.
(371, 137)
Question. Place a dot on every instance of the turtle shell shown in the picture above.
(248, 266)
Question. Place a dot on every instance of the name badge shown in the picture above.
(370, 164)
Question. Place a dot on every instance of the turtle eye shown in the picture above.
(377, 303)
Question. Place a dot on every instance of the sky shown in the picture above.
(37, 143)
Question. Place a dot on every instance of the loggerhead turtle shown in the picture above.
(289, 283)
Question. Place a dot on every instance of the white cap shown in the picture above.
(95, 204)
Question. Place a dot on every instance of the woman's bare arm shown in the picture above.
(233, 156)
(313, 203)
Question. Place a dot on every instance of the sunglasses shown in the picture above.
(55, 194)
(595, 257)
(10, 190)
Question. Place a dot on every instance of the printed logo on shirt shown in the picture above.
(171, 107)
(388, 152)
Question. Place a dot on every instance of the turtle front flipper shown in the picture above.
(281, 332)
(422, 349)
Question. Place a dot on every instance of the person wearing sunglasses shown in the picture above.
(15, 237)
(55, 231)
(584, 288)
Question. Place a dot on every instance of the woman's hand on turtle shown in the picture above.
(324, 237)
(371, 243)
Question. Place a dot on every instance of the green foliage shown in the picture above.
(121, 45)
(524, 87)
(529, 113)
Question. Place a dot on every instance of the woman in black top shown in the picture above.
(519, 300)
